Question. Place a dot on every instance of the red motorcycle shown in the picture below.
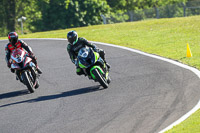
(25, 69)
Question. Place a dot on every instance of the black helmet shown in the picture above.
(72, 37)
(13, 38)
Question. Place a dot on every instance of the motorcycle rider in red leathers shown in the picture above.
(15, 43)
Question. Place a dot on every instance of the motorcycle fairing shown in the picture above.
(28, 59)
(20, 59)
(90, 60)
(26, 62)
(18, 55)
(15, 66)
(86, 57)
(32, 64)
(96, 56)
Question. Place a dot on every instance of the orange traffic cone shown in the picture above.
(189, 54)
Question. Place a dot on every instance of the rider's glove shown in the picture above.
(96, 49)
(76, 63)
(9, 63)
(32, 55)
(12, 70)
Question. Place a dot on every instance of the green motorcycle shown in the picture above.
(93, 66)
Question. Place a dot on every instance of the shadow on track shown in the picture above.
(13, 94)
(64, 94)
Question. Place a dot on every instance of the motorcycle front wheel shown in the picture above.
(100, 78)
(27, 81)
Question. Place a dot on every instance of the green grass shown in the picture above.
(191, 125)
(164, 37)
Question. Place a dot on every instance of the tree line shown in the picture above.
(44, 15)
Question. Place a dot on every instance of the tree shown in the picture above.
(117, 4)
(3, 27)
(139, 4)
(43, 15)
(7, 15)
(10, 14)
(59, 14)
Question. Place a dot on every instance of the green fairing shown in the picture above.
(106, 72)
(106, 75)
(81, 65)
(96, 56)
(94, 67)
(78, 69)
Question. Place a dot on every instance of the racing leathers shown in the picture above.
(22, 45)
(74, 49)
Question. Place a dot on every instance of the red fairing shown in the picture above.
(28, 59)
(18, 52)
(18, 55)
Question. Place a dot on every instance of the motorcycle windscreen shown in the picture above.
(86, 57)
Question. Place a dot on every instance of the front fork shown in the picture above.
(32, 70)
(104, 66)
(18, 74)
(104, 73)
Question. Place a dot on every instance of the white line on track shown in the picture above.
(194, 70)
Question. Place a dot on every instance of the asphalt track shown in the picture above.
(145, 95)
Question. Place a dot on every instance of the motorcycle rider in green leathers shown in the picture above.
(75, 44)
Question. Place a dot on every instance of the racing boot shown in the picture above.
(18, 77)
(89, 77)
(109, 80)
(102, 55)
(79, 71)
(39, 70)
(35, 61)
(108, 65)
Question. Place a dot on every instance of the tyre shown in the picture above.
(34, 77)
(108, 80)
(27, 81)
(37, 84)
(100, 78)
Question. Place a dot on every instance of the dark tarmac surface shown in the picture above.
(145, 95)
